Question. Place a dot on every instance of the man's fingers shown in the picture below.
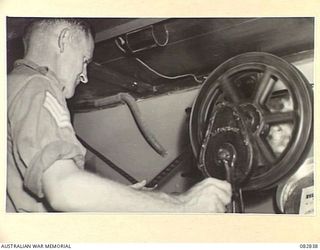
(142, 186)
(224, 185)
(208, 182)
(222, 195)
(220, 208)
(139, 185)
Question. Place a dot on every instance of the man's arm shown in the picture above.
(67, 188)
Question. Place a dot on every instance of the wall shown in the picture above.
(114, 133)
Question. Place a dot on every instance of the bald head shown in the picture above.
(39, 32)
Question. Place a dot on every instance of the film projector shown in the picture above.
(252, 125)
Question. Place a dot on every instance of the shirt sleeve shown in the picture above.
(42, 133)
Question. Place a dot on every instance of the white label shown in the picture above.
(306, 202)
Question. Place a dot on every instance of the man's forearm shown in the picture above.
(71, 189)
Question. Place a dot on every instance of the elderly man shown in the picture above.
(45, 160)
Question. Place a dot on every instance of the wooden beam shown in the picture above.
(126, 27)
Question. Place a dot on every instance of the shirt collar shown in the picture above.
(44, 70)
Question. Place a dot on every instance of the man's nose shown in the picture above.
(83, 76)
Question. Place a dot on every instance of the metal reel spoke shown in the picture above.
(280, 117)
(229, 90)
(265, 151)
(264, 88)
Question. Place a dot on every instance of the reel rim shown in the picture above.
(299, 90)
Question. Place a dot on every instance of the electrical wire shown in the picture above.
(156, 40)
(165, 76)
(155, 71)
(118, 45)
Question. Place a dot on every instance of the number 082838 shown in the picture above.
(309, 246)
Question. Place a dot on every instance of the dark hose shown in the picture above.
(131, 103)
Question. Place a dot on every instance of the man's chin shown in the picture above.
(68, 94)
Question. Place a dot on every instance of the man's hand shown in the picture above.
(210, 195)
(142, 186)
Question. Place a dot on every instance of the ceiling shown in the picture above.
(143, 56)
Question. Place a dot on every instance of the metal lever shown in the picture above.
(227, 156)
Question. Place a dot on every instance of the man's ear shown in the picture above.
(63, 38)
